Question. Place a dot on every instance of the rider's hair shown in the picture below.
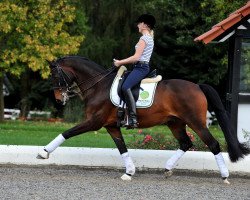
(151, 32)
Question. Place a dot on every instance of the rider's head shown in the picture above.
(147, 19)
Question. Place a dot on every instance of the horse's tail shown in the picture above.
(235, 149)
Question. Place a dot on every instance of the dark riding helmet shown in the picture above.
(147, 19)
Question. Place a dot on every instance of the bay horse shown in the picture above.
(177, 104)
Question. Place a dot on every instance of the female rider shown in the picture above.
(140, 59)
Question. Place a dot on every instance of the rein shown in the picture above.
(99, 80)
(70, 89)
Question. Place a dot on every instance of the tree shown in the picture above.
(113, 32)
(178, 23)
(33, 31)
(176, 55)
(1, 100)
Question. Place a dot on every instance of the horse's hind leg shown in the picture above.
(178, 129)
(214, 147)
(119, 141)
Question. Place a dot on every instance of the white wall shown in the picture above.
(243, 124)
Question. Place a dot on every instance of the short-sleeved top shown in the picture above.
(147, 52)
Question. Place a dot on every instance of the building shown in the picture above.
(236, 29)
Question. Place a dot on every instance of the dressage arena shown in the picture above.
(79, 183)
(86, 173)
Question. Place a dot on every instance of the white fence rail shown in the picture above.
(11, 113)
(14, 114)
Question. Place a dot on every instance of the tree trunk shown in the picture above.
(25, 101)
(1, 99)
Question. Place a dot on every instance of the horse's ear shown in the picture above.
(51, 63)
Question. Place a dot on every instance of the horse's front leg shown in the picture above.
(119, 141)
(88, 125)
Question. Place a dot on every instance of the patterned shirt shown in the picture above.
(147, 52)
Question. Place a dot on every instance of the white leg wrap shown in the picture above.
(54, 143)
(222, 166)
(174, 159)
(130, 167)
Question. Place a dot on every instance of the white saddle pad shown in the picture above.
(146, 94)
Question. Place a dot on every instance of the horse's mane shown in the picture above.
(83, 60)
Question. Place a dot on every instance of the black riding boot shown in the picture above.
(130, 103)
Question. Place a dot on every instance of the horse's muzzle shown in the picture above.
(59, 101)
(61, 97)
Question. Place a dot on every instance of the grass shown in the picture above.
(41, 133)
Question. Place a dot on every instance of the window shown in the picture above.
(245, 66)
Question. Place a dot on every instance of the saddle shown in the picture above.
(151, 79)
(123, 74)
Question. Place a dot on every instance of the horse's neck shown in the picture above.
(87, 74)
(87, 70)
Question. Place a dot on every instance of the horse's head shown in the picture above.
(73, 75)
(61, 82)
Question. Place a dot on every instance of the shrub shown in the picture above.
(152, 141)
(160, 141)
(73, 111)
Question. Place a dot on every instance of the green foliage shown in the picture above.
(153, 141)
(33, 31)
(112, 32)
(162, 141)
(41, 133)
(217, 10)
(74, 111)
(176, 55)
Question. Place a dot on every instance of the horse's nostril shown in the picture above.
(59, 101)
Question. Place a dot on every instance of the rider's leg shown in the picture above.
(130, 102)
(138, 73)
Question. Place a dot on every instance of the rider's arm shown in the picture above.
(132, 59)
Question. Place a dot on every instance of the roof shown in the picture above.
(225, 25)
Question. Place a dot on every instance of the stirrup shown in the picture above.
(125, 123)
(128, 126)
(133, 124)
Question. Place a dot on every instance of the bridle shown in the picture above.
(62, 82)
(65, 83)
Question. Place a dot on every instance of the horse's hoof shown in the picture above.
(126, 177)
(43, 155)
(168, 173)
(130, 169)
(226, 181)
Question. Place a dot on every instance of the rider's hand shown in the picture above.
(116, 62)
